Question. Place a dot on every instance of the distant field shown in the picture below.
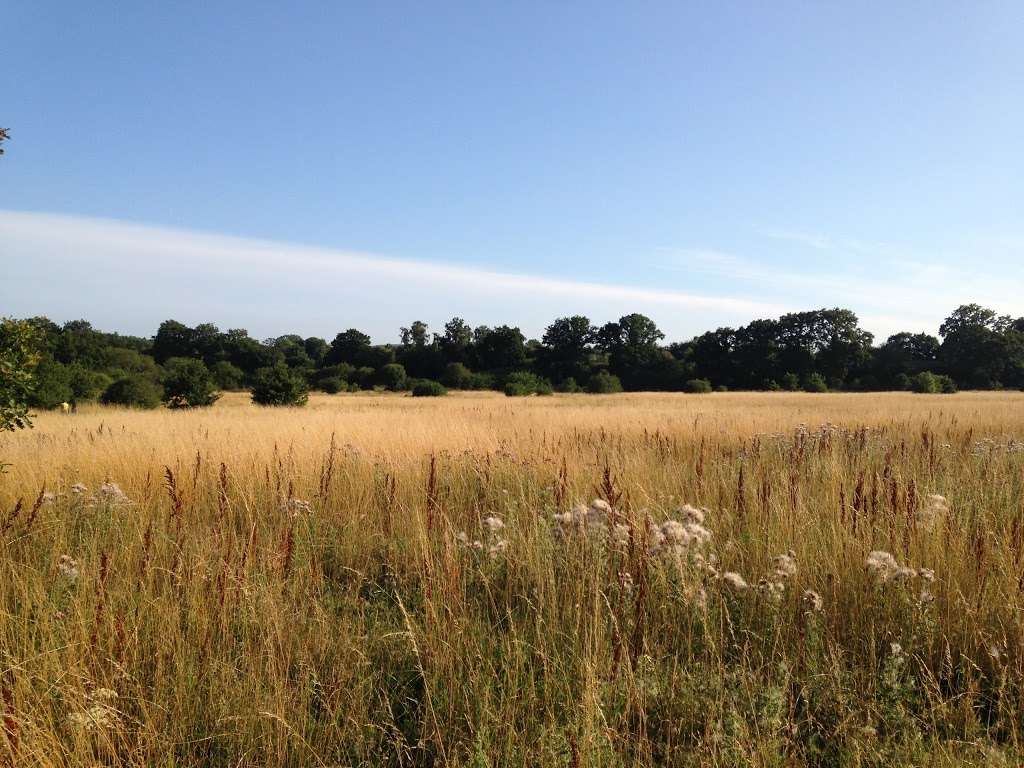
(382, 580)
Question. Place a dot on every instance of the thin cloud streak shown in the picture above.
(146, 265)
(908, 295)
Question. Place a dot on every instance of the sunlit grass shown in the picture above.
(303, 586)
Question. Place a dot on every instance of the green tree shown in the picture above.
(815, 382)
(501, 348)
(350, 347)
(568, 346)
(279, 385)
(87, 384)
(604, 383)
(975, 349)
(52, 384)
(392, 376)
(428, 388)
(456, 342)
(522, 383)
(173, 339)
(188, 384)
(698, 386)
(632, 348)
(227, 376)
(19, 355)
(132, 391)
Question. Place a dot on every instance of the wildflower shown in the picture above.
(620, 533)
(698, 533)
(111, 493)
(78, 488)
(690, 514)
(882, 565)
(734, 581)
(598, 512)
(772, 589)
(903, 574)
(927, 574)
(48, 497)
(100, 714)
(493, 524)
(297, 507)
(675, 532)
(934, 508)
(813, 603)
(784, 565)
(67, 567)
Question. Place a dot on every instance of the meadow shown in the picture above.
(767, 579)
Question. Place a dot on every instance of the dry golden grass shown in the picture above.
(286, 586)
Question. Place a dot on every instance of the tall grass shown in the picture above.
(244, 586)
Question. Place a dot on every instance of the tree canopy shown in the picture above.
(817, 350)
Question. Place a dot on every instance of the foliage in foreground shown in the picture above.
(18, 358)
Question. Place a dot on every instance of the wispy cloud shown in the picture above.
(131, 276)
(808, 239)
(893, 291)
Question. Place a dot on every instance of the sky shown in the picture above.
(310, 167)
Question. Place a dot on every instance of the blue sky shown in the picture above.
(310, 167)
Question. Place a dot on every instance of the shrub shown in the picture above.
(86, 384)
(698, 386)
(333, 386)
(342, 372)
(227, 376)
(52, 385)
(188, 384)
(721, 388)
(523, 383)
(903, 382)
(457, 376)
(481, 381)
(133, 391)
(790, 382)
(279, 385)
(815, 382)
(363, 377)
(428, 388)
(392, 376)
(926, 383)
(604, 383)
(569, 386)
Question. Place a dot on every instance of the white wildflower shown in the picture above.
(813, 602)
(675, 532)
(882, 565)
(67, 567)
(297, 507)
(620, 533)
(493, 523)
(934, 508)
(734, 581)
(78, 488)
(772, 589)
(111, 493)
(690, 514)
(784, 565)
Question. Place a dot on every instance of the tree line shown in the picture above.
(813, 351)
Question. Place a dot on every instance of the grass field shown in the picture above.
(381, 580)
